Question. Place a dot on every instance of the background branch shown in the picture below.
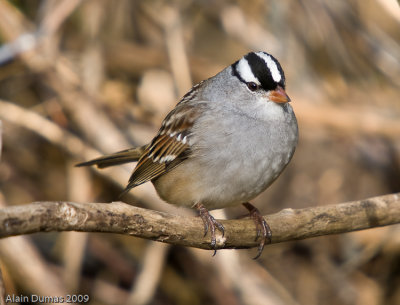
(118, 217)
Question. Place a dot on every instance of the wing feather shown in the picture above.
(170, 147)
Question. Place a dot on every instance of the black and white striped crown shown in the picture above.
(260, 68)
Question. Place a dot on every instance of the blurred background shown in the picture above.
(82, 78)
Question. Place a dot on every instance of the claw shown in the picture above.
(262, 228)
(205, 226)
(209, 223)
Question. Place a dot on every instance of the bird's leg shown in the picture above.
(262, 227)
(209, 223)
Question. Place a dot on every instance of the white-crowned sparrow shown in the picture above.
(223, 144)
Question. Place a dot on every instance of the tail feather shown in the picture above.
(121, 157)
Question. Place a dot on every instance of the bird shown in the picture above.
(226, 141)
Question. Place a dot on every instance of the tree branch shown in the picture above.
(118, 217)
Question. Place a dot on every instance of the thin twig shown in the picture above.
(72, 145)
(22, 38)
(148, 278)
(52, 22)
(121, 218)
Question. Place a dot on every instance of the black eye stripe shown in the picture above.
(261, 71)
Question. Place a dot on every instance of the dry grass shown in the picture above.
(99, 76)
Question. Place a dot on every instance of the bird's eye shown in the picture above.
(252, 86)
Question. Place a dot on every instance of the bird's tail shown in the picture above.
(121, 157)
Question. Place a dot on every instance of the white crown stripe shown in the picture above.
(244, 70)
(276, 75)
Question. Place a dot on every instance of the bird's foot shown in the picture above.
(262, 227)
(209, 224)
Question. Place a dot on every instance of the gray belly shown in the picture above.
(230, 168)
(237, 172)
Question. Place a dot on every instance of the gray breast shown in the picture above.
(240, 156)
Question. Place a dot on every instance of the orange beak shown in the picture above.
(279, 96)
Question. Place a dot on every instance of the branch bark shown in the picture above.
(118, 217)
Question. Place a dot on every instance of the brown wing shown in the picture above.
(170, 147)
